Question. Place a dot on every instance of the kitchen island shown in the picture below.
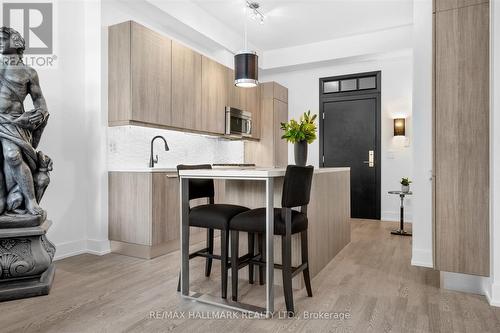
(144, 215)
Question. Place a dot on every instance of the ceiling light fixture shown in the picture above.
(246, 63)
(256, 14)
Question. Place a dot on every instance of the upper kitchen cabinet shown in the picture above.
(186, 88)
(252, 105)
(274, 90)
(214, 95)
(271, 150)
(140, 76)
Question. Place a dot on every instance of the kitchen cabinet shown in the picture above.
(442, 5)
(252, 105)
(461, 138)
(157, 82)
(186, 88)
(144, 213)
(214, 95)
(139, 67)
(270, 150)
(280, 115)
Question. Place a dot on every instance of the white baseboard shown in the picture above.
(393, 216)
(74, 248)
(422, 258)
(492, 293)
(69, 249)
(98, 247)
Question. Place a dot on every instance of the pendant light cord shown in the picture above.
(245, 19)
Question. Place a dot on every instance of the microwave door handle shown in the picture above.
(228, 123)
(249, 127)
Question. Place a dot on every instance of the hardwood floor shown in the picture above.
(371, 279)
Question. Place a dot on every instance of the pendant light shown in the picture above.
(246, 63)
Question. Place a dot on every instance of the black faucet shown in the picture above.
(152, 160)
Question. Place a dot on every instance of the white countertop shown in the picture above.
(230, 172)
(166, 170)
(247, 172)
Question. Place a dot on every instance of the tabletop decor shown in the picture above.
(405, 185)
(300, 133)
(25, 252)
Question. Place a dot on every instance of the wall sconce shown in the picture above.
(399, 127)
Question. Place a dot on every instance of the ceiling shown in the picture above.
(291, 23)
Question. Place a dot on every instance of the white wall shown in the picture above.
(74, 138)
(422, 133)
(303, 85)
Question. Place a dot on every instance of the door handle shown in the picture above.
(371, 159)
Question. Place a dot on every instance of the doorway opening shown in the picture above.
(350, 129)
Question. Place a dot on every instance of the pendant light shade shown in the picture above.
(246, 69)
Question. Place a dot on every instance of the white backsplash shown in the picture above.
(129, 148)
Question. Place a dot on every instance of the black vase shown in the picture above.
(300, 151)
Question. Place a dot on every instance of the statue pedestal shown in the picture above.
(25, 262)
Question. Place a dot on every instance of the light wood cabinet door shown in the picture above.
(165, 207)
(252, 105)
(119, 99)
(270, 150)
(151, 73)
(461, 142)
(215, 95)
(280, 145)
(280, 92)
(440, 5)
(130, 207)
(186, 88)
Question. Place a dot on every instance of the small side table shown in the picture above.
(401, 231)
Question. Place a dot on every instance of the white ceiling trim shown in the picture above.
(380, 42)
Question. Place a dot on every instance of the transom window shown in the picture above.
(360, 83)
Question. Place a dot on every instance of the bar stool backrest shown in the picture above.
(199, 188)
(297, 186)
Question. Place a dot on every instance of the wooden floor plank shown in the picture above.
(371, 279)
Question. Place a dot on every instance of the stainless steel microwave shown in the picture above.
(238, 122)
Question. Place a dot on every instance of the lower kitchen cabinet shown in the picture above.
(144, 214)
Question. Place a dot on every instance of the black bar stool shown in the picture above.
(296, 193)
(210, 216)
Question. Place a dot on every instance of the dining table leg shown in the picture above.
(184, 200)
(269, 247)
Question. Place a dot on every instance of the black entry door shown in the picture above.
(350, 135)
